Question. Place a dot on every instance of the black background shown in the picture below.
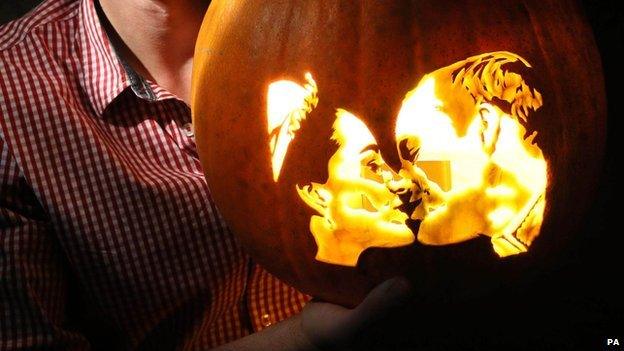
(575, 305)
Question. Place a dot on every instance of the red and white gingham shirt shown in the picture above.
(108, 235)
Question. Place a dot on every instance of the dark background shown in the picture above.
(10, 9)
(574, 305)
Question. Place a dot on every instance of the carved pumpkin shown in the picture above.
(348, 142)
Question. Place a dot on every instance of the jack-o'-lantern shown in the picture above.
(348, 142)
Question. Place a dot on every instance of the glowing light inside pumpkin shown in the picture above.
(467, 169)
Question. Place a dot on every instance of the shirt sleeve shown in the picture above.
(33, 275)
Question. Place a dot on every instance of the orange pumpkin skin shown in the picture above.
(365, 56)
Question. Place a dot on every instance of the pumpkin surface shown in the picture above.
(346, 142)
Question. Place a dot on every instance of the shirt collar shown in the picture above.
(105, 74)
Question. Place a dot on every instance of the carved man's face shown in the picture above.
(482, 175)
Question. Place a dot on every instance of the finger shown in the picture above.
(324, 325)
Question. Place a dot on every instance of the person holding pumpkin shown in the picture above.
(109, 238)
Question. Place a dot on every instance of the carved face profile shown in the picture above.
(487, 177)
(467, 168)
(357, 205)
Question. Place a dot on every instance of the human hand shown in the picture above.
(332, 327)
(323, 326)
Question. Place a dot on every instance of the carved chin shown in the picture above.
(344, 246)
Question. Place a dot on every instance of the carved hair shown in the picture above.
(484, 78)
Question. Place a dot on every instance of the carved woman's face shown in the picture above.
(365, 208)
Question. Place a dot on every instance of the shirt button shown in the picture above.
(266, 320)
(188, 130)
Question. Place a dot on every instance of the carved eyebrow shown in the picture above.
(373, 147)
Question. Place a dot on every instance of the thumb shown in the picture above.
(383, 299)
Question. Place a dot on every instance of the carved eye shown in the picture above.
(371, 160)
(373, 166)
